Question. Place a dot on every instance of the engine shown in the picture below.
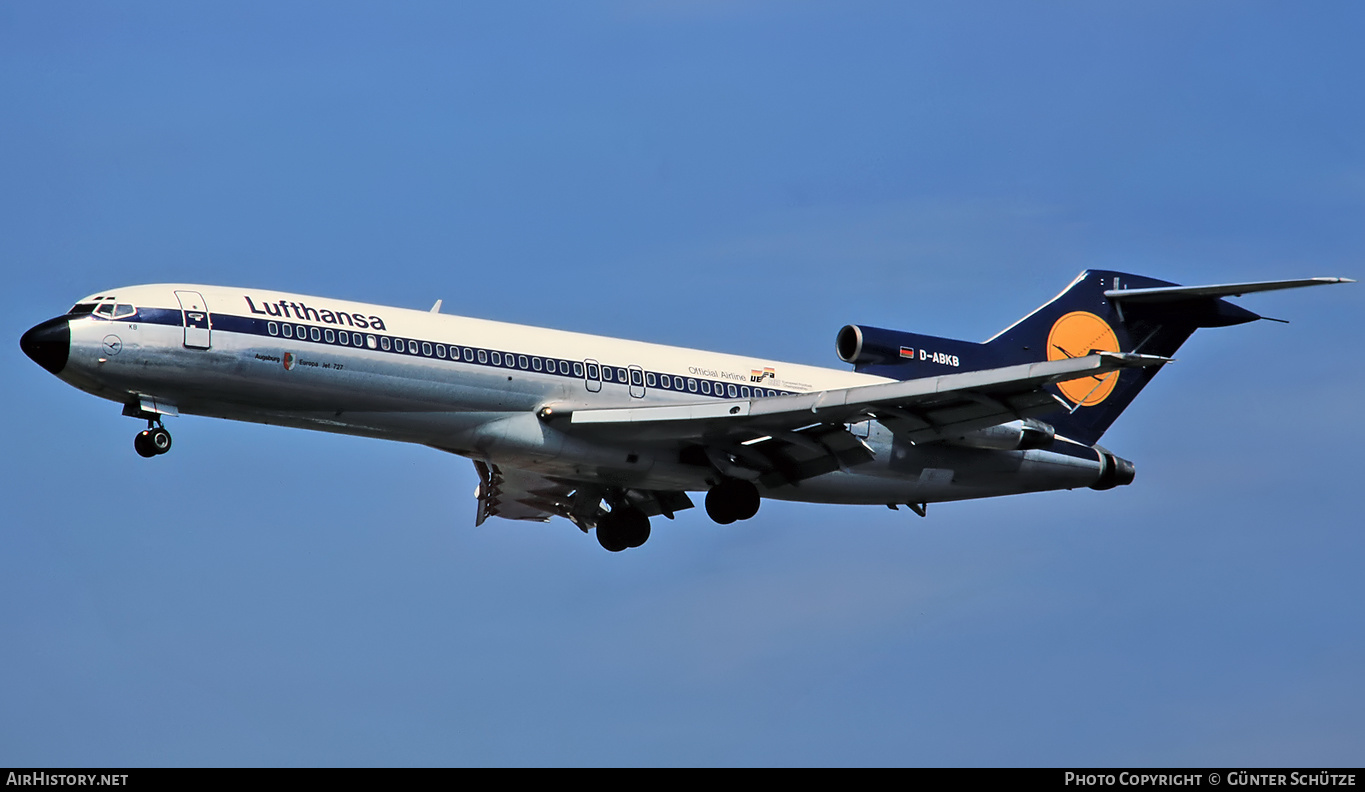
(1013, 436)
(1114, 471)
(866, 346)
(873, 346)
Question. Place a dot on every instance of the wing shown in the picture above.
(784, 439)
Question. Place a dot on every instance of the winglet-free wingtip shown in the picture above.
(1136, 359)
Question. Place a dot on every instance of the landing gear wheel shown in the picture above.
(143, 444)
(718, 508)
(609, 533)
(732, 500)
(161, 440)
(637, 527)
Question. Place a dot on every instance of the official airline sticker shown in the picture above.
(1078, 334)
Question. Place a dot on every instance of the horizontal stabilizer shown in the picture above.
(1162, 294)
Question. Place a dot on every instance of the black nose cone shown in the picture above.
(48, 344)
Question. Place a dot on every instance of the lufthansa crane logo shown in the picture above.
(1078, 334)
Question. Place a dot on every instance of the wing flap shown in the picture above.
(518, 495)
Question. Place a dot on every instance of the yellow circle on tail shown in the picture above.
(1077, 334)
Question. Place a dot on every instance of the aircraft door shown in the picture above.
(592, 376)
(194, 313)
(637, 382)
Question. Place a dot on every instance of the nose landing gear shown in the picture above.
(153, 440)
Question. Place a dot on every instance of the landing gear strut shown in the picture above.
(153, 440)
(731, 500)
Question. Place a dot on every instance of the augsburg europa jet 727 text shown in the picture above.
(609, 433)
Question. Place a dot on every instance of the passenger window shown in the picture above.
(593, 372)
(441, 351)
(706, 387)
(344, 337)
(665, 382)
(535, 364)
(523, 363)
(371, 341)
(649, 379)
(469, 355)
(730, 390)
(272, 328)
(426, 349)
(621, 374)
(564, 367)
(412, 346)
(483, 357)
(316, 334)
(691, 385)
(743, 390)
(331, 336)
(384, 342)
(578, 369)
(637, 377)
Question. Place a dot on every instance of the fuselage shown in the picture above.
(476, 388)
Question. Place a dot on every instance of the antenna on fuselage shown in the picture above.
(437, 307)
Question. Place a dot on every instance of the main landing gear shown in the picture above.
(153, 440)
(627, 525)
(622, 527)
(731, 500)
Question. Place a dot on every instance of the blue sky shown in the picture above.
(744, 177)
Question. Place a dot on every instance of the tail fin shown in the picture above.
(1100, 311)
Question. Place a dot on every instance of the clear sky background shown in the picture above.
(738, 176)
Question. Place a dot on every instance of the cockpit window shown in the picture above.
(107, 308)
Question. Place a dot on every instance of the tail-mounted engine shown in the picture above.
(1013, 436)
(1114, 471)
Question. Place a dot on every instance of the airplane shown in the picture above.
(608, 433)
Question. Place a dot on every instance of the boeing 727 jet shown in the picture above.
(608, 433)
